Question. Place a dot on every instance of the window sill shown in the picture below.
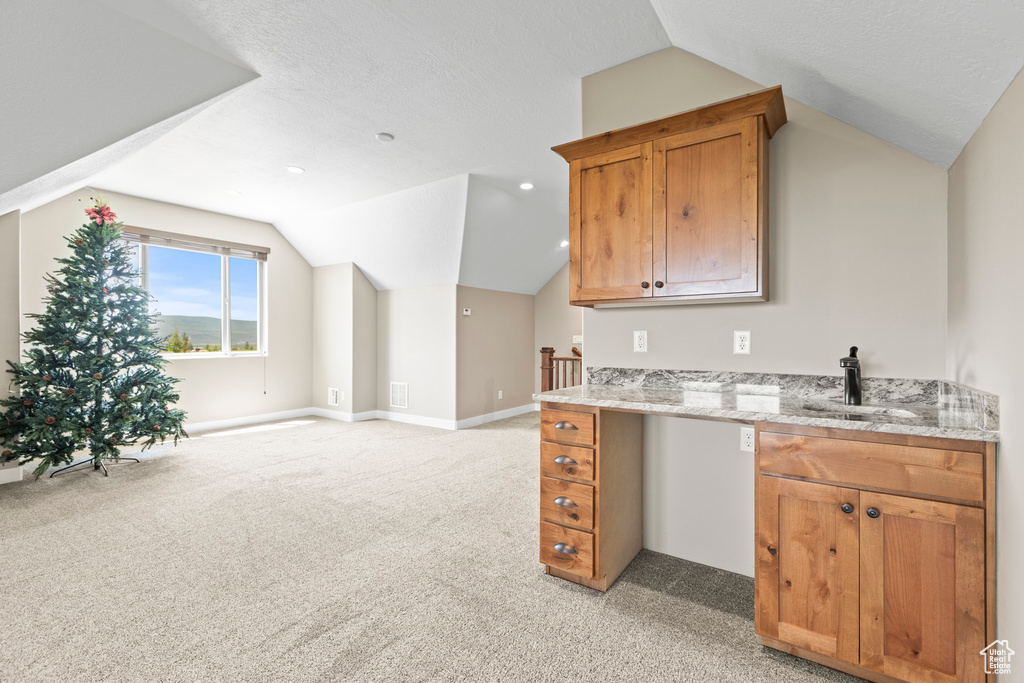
(214, 354)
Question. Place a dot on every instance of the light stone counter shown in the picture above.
(896, 406)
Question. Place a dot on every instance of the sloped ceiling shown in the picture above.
(475, 91)
(83, 84)
(920, 75)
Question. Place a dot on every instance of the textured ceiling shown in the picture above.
(921, 75)
(475, 91)
(466, 86)
(93, 87)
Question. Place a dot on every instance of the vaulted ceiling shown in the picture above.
(161, 99)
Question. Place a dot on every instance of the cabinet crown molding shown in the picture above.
(768, 104)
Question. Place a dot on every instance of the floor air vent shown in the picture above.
(399, 395)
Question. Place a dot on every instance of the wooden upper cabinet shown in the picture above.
(674, 210)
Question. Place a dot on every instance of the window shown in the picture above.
(208, 294)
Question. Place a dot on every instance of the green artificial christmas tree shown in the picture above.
(91, 378)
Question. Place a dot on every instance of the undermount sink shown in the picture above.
(837, 407)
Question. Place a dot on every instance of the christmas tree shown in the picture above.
(91, 378)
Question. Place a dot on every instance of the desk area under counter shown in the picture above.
(861, 513)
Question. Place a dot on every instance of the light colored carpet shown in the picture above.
(318, 550)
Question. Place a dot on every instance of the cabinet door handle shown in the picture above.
(565, 502)
(847, 508)
(659, 284)
(565, 425)
(645, 284)
(565, 549)
(565, 460)
(873, 513)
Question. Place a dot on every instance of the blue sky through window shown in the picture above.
(244, 288)
(185, 282)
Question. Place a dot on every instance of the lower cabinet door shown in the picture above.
(807, 564)
(922, 589)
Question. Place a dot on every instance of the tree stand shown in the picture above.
(95, 465)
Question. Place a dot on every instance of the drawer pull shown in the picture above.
(565, 549)
(565, 460)
(565, 425)
(565, 502)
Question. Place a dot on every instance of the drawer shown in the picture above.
(930, 472)
(574, 462)
(567, 426)
(567, 549)
(567, 503)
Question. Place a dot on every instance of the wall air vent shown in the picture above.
(399, 395)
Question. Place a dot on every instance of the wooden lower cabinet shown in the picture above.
(590, 493)
(853, 575)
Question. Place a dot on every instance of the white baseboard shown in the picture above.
(196, 427)
(416, 420)
(491, 417)
(10, 473)
(344, 417)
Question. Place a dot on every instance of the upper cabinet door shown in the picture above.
(922, 589)
(610, 225)
(709, 235)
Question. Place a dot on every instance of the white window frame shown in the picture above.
(225, 306)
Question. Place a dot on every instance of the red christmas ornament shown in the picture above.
(47, 378)
(69, 392)
(88, 430)
(79, 242)
(124, 397)
(156, 428)
(27, 402)
(50, 420)
(97, 375)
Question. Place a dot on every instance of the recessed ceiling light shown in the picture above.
(526, 186)
(234, 193)
(385, 137)
(295, 169)
(564, 243)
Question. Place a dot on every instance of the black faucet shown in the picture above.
(851, 364)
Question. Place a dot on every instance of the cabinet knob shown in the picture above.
(659, 284)
(847, 508)
(565, 502)
(645, 284)
(565, 460)
(565, 549)
(873, 513)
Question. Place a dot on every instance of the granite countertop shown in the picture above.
(897, 406)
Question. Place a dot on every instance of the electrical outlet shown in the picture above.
(500, 393)
(577, 339)
(747, 439)
(640, 341)
(741, 342)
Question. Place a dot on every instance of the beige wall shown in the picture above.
(416, 344)
(10, 236)
(555, 320)
(494, 351)
(364, 344)
(213, 388)
(332, 336)
(985, 280)
(858, 257)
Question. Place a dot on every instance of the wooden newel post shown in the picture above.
(547, 368)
